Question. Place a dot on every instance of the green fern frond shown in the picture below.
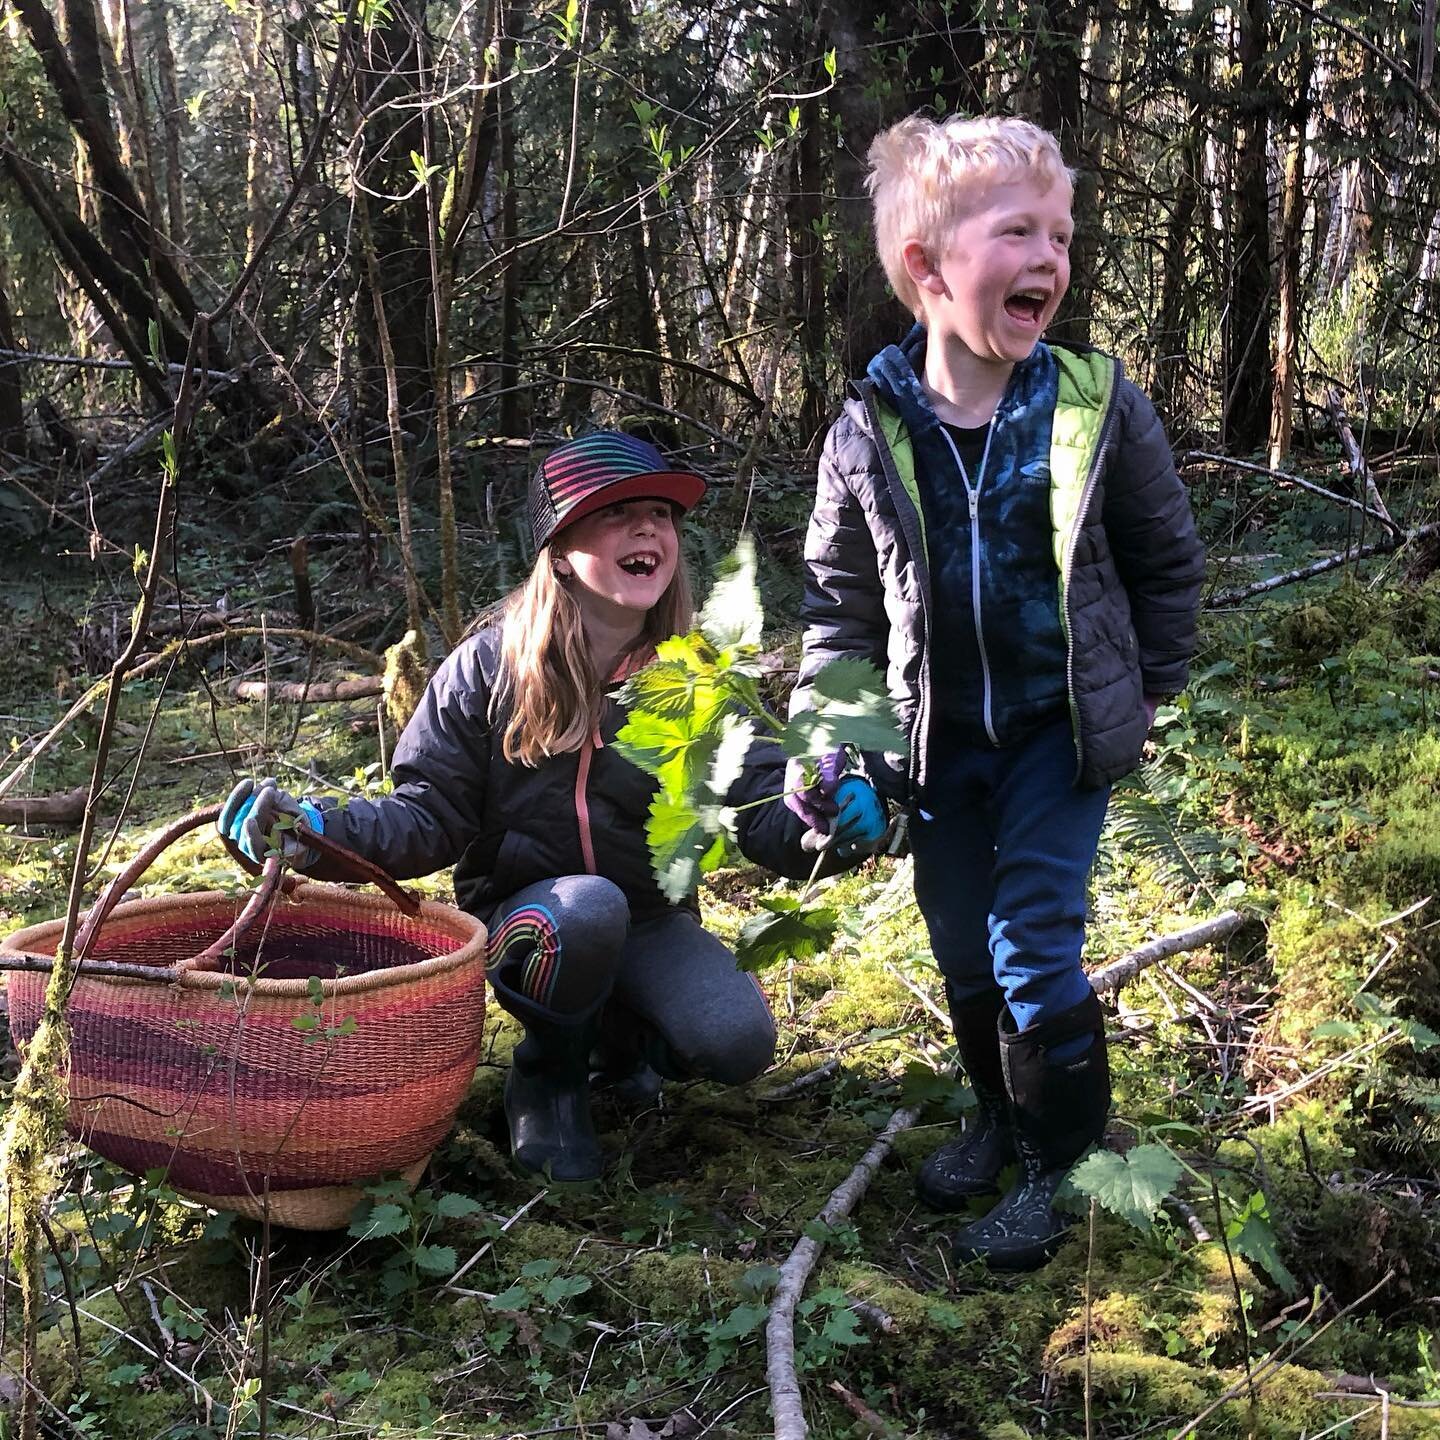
(1144, 820)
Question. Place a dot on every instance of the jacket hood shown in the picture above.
(896, 370)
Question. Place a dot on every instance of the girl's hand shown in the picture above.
(815, 804)
(250, 815)
(861, 823)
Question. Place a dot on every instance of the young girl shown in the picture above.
(506, 772)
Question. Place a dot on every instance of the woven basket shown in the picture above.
(243, 1080)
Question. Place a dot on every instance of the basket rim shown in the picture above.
(472, 951)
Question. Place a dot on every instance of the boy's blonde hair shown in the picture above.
(547, 673)
(925, 175)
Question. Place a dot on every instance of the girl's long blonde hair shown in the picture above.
(547, 674)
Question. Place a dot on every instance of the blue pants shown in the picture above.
(1001, 866)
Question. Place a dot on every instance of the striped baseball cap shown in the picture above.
(602, 468)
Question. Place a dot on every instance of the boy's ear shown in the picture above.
(920, 268)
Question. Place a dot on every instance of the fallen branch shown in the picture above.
(365, 688)
(1110, 978)
(1355, 458)
(67, 808)
(785, 1403)
(801, 1083)
(1382, 546)
(1281, 477)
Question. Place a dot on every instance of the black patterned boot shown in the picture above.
(1058, 1110)
(970, 1165)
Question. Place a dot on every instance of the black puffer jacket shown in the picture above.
(1130, 561)
(458, 801)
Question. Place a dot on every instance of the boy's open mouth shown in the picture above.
(644, 563)
(1026, 305)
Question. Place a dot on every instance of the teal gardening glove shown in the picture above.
(251, 813)
(860, 824)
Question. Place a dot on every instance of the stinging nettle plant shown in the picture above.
(694, 713)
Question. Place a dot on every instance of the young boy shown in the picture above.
(999, 525)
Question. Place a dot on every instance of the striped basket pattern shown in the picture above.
(254, 1083)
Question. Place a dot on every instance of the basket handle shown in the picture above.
(270, 873)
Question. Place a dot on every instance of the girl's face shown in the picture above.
(622, 558)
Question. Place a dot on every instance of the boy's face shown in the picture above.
(1002, 273)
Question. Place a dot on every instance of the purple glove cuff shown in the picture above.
(816, 805)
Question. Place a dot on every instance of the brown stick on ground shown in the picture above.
(66, 808)
(366, 687)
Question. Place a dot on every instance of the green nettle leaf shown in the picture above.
(679, 844)
(456, 1207)
(811, 734)
(564, 1287)
(842, 1329)
(733, 614)
(436, 1259)
(517, 1297)
(1130, 1185)
(741, 1321)
(736, 737)
(1251, 1233)
(786, 932)
(382, 1220)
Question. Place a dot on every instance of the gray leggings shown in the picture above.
(568, 946)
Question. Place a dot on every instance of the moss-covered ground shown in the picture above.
(1290, 1071)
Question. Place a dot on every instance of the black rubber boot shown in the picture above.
(547, 1092)
(620, 1062)
(970, 1165)
(1058, 1111)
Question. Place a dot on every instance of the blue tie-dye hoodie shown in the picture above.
(998, 652)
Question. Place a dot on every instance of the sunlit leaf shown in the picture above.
(733, 614)
(1130, 1185)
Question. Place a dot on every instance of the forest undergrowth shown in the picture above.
(1262, 1260)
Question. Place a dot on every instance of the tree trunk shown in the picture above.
(12, 414)
(944, 66)
(1172, 328)
(513, 411)
(387, 83)
(1057, 60)
(155, 52)
(1246, 420)
(807, 271)
(253, 41)
(1292, 215)
(874, 318)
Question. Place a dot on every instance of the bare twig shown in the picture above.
(801, 1083)
(785, 1402)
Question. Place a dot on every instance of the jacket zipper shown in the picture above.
(1085, 497)
(910, 523)
(582, 803)
(972, 493)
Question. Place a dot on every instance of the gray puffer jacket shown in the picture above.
(458, 801)
(1129, 559)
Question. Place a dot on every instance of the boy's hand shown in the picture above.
(815, 804)
(249, 817)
